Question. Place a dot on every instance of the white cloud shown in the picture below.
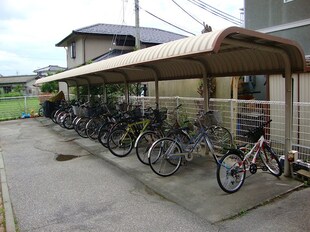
(30, 29)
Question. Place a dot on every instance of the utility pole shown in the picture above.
(137, 24)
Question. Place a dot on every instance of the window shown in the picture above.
(73, 50)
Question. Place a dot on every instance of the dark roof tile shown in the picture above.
(147, 34)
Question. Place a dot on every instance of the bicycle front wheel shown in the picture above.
(230, 173)
(104, 132)
(68, 122)
(220, 138)
(144, 143)
(165, 157)
(120, 142)
(92, 128)
(270, 160)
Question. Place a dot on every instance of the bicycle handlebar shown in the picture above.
(259, 127)
(266, 123)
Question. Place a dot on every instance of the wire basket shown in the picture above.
(76, 110)
(254, 135)
(211, 118)
(160, 115)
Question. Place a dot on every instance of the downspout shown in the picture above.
(84, 50)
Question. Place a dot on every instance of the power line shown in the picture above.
(216, 11)
(166, 21)
(187, 13)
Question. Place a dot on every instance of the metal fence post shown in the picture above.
(232, 111)
(25, 104)
(177, 101)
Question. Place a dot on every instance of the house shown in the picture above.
(102, 41)
(89, 43)
(48, 70)
(25, 83)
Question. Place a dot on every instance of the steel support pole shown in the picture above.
(288, 118)
(156, 92)
(205, 92)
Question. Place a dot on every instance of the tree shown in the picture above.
(50, 87)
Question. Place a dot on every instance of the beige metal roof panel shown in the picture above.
(232, 51)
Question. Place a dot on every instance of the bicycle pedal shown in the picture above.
(264, 168)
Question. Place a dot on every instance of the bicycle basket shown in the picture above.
(211, 118)
(255, 134)
(76, 110)
(161, 115)
(136, 113)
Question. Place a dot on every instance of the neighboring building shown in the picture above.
(102, 41)
(26, 82)
(49, 70)
(288, 19)
(88, 44)
(285, 18)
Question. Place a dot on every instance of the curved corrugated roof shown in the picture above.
(229, 52)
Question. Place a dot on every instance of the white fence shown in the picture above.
(14, 107)
(240, 115)
(236, 115)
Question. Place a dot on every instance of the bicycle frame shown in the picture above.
(254, 150)
(131, 127)
(200, 136)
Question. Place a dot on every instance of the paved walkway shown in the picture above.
(194, 186)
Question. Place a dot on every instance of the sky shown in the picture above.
(29, 29)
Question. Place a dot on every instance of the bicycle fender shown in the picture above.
(136, 142)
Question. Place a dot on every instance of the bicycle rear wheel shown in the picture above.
(68, 122)
(144, 143)
(120, 142)
(220, 138)
(80, 127)
(230, 173)
(165, 157)
(270, 160)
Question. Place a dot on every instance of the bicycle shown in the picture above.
(122, 138)
(232, 168)
(167, 154)
(159, 130)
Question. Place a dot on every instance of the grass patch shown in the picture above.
(12, 108)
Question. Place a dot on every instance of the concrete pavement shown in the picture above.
(194, 186)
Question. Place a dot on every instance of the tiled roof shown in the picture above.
(16, 79)
(50, 68)
(147, 35)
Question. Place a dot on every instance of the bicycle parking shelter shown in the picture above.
(232, 51)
